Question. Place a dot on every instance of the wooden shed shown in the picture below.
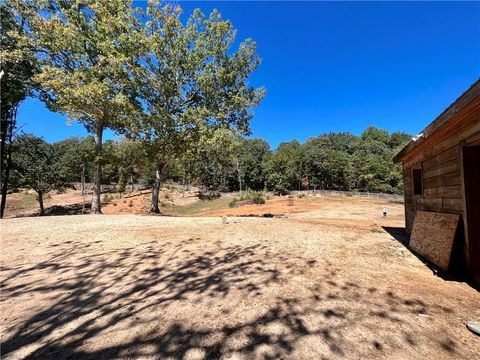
(441, 172)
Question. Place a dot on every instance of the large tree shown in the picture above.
(190, 80)
(86, 50)
(36, 166)
(17, 66)
(75, 159)
(284, 168)
(252, 154)
(216, 159)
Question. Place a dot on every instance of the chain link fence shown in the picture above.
(393, 197)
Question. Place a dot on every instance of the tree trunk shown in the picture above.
(40, 202)
(97, 176)
(239, 176)
(82, 183)
(8, 126)
(6, 175)
(4, 165)
(156, 191)
(184, 185)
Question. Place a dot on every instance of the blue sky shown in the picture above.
(339, 66)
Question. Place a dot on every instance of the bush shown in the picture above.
(258, 199)
(233, 202)
(300, 196)
(106, 199)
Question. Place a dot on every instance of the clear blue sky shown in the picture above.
(339, 66)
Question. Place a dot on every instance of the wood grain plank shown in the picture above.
(453, 191)
(443, 168)
(432, 236)
(449, 179)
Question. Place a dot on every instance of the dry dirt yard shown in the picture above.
(327, 283)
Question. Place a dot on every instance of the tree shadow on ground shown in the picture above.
(79, 208)
(60, 210)
(179, 300)
(74, 209)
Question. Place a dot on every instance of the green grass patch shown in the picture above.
(199, 206)
(256, 197)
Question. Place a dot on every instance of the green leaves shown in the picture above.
(85, 50)
(191, 83)
(16, 62)
(36, 165)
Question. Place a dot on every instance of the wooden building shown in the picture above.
(441, 171)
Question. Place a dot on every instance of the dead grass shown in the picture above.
(327, 283)
(20, 202)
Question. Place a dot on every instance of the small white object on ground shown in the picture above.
(423, 315)
(474, 326)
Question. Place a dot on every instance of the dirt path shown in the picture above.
(314, 285)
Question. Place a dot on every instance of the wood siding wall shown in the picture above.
(441, 182)
(440, 157)
(441, 165)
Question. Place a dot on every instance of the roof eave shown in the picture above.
(442, 119)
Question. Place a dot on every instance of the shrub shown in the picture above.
(233, 202)
(106, 199)
(258, 199)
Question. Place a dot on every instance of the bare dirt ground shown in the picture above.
(71, 202)
(328, 281)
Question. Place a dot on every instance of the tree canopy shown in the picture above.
(141, 72)
(37, 166)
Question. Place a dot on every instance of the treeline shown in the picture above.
(334, 161)
(220, 163)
